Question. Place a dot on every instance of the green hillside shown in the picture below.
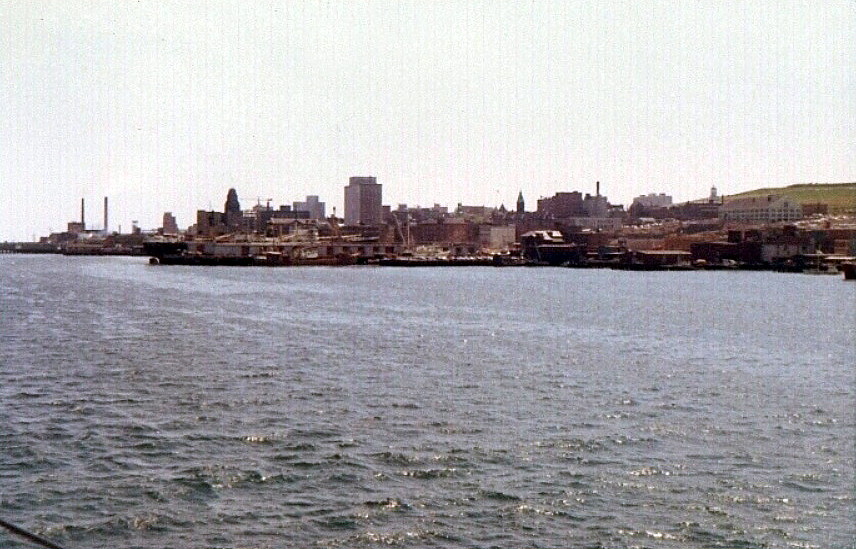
(841, 197)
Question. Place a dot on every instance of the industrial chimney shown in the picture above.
(83, 213)
(105, 215)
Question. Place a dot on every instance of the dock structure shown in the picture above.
(29, 248)
(266, 251)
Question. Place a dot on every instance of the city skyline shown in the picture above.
(162, 106)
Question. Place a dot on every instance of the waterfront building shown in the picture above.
(496, 237)
(363, 201)
(444, 232)
(211, 223)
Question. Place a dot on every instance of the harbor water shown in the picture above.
(188, 407)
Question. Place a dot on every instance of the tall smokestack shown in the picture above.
(105, 214)
(83, 212)
(597, 188)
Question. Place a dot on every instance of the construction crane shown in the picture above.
(398, 230)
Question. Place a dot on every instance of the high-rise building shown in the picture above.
(232, 210)
(169, 224)
(363, 201)
(312, 205)
(232, 204)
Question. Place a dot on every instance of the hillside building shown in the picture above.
(761, 209)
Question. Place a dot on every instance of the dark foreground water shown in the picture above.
(185, 407)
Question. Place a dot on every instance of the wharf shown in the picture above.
(29, 248)
(67, 249)
(437, 262)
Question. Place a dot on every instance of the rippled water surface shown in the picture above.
(155, 407)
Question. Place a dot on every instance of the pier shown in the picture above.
(29, 248)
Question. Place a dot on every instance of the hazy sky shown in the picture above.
(163, 106)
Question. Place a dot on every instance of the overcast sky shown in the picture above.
(163, 106)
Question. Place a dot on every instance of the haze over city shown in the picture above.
(163, 106)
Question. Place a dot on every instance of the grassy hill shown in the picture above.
(841, 197)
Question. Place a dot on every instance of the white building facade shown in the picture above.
(761, 209)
